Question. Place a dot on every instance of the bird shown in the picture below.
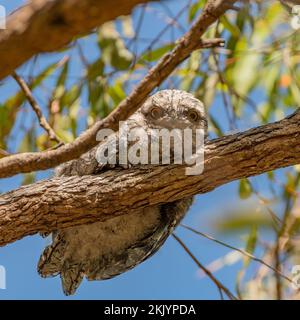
(103, 250)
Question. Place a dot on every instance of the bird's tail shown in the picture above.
(52, 263)
(51, 260)
(71, 278)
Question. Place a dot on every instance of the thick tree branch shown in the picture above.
(67, 201)
(47, 25)
(191, 41)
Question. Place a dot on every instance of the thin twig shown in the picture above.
(211, 43)
(165, 29)
(277, 246)
(231, 117)
(83, 59)
(243, 252)
(219, 285)
(278, 266)
(36, 108)
(276, 220)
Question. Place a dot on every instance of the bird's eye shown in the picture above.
(194, 116)
(156, 112)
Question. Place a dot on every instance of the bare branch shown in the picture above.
(68, 201)
(205, 270)
(191, 41)
(243, 252)
(211, 43)
(36, 108)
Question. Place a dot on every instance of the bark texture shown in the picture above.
(67, 201)
(47, 25)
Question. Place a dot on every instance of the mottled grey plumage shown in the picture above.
(103, 250)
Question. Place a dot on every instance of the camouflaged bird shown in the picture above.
(103, 250)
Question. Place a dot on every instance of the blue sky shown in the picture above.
(170, 274)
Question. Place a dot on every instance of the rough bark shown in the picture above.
(27, 162)
(63, 202)
(47, 25)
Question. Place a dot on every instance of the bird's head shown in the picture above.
(173, 109)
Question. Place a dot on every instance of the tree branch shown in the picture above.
(3, 153)
(191, 41)
(47, 25)
(67, 201)
(36, 108)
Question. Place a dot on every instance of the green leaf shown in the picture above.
(241, 220)
(10, 108)
(127, 27)
(232, 28)
(28, 178)
(95, 69)
(194, 9)
(60, 83)
(245, 189)
(250, 244)
(70, 96)
(95, 91)
(270, 175)
(245, 74)
(270, 78)
(113, 49)
(250, 247)
(156, 54)
(117, 92)
(29, 141)
(216, 126)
